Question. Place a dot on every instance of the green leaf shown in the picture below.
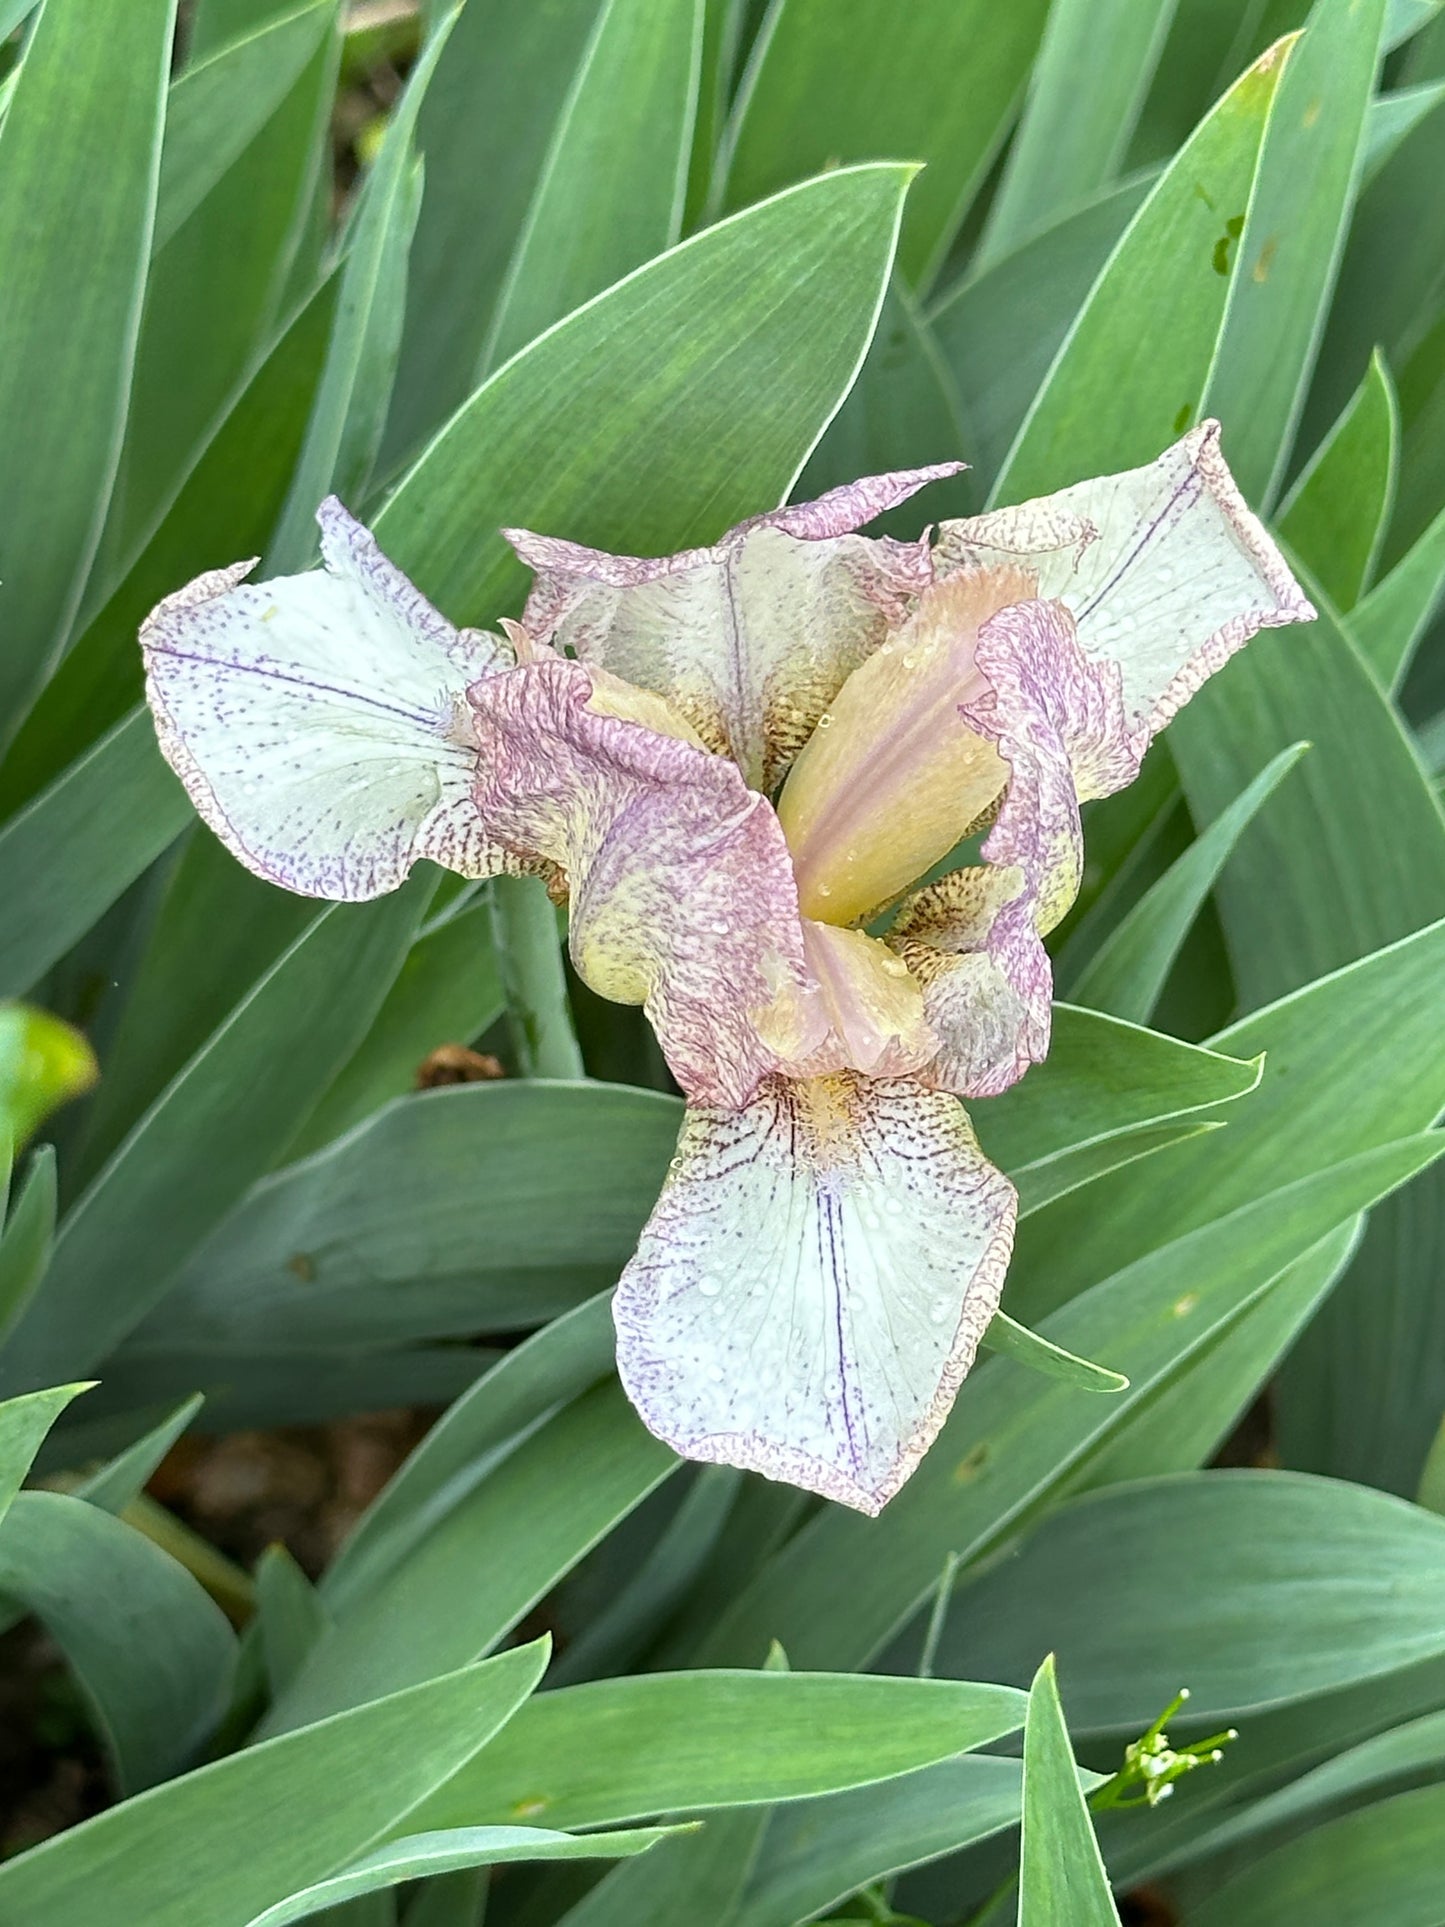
(1289, 251)
(1087, 87)
(219, 104)
(815, 1854)
(610, 193)
(617, 1634)
(1018, 1342)
(1391, 117)
(901, 412)
(998, 330)
(1040, 1184)
(420, 1855)
(112, 1487)
(349, 412)
(225, 507)
(1061, 1872)
(484, 133)
(1390, 621)
(216, 293)
(23, 1424)
(678, 401)
(152, 1651)
(183, 986)
(622, 1749)
(1386, 284)
(1349, 1062)
(828, 83)
(25, 1243)
(1399, 1753)
(375, 1239)
(290, 1615)
(80, 844)
(1102, 1078)
(44, 1062)
(490, 1419)
(1182, 1425)
(252, 1391)
(1261, 1583)
(75, 235)
(1006, 1450)
(709, 1865)
(219, 1123)
(448, 992)
(1431, 1493)
(1349, 857)
(464, 1584)
(1127, 972)
(1336, 515)
(450, 1900)
(1167, 282)
(1380, 1864)
(315, 1799)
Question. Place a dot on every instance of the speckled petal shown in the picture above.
(1164, 568)
(974, 939)
(750, 639)
(319, 721)
(814, 1282)
(682, 893)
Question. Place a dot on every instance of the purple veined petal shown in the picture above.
(319, 721)
(682, 891)
(752, 638)
(974, 939)
(1164, 568)
(814, 1282)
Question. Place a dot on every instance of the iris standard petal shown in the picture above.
(319, 721)
(750, 639)
(682, 892)
(814, 1282)
(1165, 570)
(974, 939)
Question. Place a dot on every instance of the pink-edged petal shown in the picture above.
(974, 939)
(682, 893)
(319, 721)
(814, 1282)
(1164, 568)
(750, 639)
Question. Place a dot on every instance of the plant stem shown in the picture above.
(524, 926)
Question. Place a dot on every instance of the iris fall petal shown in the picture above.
(814, 1282)
(319, 721)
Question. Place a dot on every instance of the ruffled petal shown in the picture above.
(814, 1282)
(974, 939)
(319, 721)
(1164, 568)
(682, 892)
(750, 639)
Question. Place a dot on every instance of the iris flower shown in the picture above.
(736, 765)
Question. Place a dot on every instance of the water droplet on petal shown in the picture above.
(715, 1374)
(825, 721)
(939, 1312)
(824, 890)
(720, 928)
(709, 1287)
